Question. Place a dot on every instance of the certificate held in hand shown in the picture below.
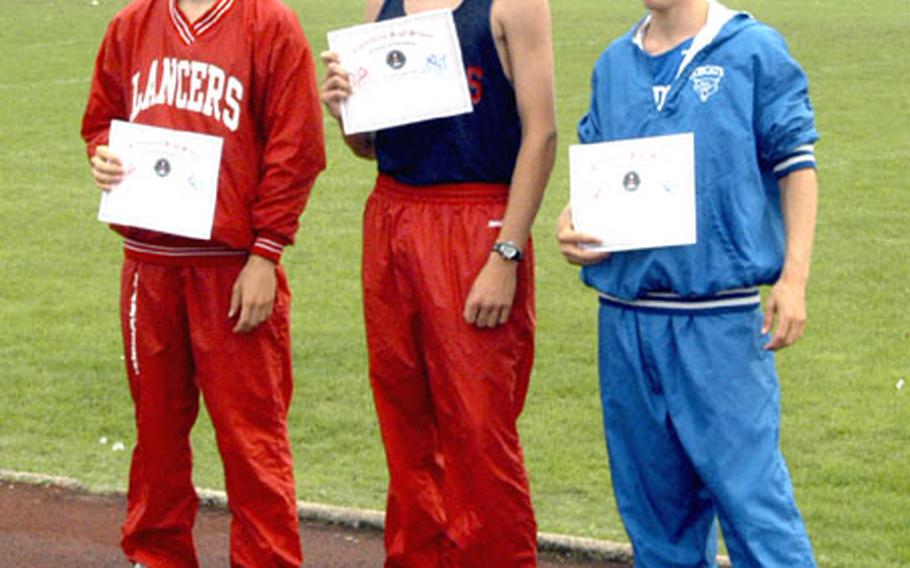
(403, 71)
(172, 180)
(635, 194)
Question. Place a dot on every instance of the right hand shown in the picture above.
(336, 86)
(570, 241)
(253, 294)
(490, 300)
(106, 168)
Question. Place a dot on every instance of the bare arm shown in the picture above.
(525, 26)
(787, 302)
(336, 87)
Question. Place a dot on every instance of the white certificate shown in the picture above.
(403, 70)
(172, 180)
(635, 194)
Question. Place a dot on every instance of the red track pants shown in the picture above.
(448, 395)
(178, 342)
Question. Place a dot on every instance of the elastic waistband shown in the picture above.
(739, 299)
(162, 254)
(444, 192)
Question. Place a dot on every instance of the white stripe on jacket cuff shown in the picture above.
(268, 248)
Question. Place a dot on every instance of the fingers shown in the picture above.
(235, 300)
(575, 252)
(335, 90)
(328, 57)
(107, 169)
(252, 315)
(572, 237)
(486, 313)
(576, 247)
(492, 293)
(504, 315)
(565, 218)
(778, 341)
(492, 316)
(336, 82)
(486, 316)
(790, 326)
(770, 310)
(252, 312)
(788, 332)
(253, 294)
(797, 329)
(471, 311)
(775, 343)
(336, 87)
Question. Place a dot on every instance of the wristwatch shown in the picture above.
(508, 250)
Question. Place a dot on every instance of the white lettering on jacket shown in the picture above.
(189, 85)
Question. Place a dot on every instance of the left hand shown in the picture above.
(107, 169)
(787, 304)
(253, 294)
(492, 293)
(571, 242)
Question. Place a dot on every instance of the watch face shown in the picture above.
(508, 251)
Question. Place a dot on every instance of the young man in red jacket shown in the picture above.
(212, 316)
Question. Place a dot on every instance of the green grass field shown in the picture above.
(846, 425)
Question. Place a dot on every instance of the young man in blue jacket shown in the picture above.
(691, 399)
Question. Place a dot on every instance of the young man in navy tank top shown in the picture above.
(449, 292)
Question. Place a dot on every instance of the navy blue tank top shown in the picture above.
(478, 147)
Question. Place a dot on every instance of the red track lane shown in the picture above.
(51, 527)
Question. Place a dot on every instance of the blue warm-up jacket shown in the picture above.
(746, 100)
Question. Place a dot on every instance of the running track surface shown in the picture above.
(50, 527)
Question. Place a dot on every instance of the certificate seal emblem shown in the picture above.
(631, 181)
(162, 167)
(396, 59)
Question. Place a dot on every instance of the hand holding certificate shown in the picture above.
(402, 71)
(635, 194)
(172, 184)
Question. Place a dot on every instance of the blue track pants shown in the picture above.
(691, 407)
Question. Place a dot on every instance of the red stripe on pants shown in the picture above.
(179, 342)
(447, 394)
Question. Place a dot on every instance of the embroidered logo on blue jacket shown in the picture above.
(706, 80)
